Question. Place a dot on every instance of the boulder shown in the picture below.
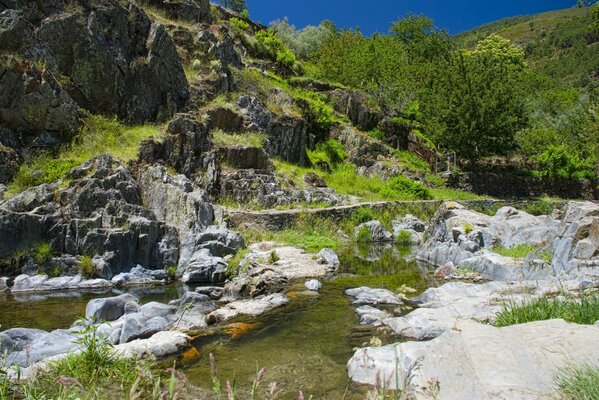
(357, 108)
(202, 267)
(252, 307)
(33, 346)
(369, 296)
(159, 345)
(199, 303)
(117, 60)
(313, 285)
(376, 233)
(478, 361)
(41, 283)
(112, 308)
(140, 276)
(372, 316)
(328, 257)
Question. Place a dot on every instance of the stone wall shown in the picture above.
(507, 185)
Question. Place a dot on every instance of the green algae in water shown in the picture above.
(306, 344)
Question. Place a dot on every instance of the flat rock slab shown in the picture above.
(365, 295)
(42, 283)
(252, 307)
(478, 361)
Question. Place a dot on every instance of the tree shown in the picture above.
(475, 103)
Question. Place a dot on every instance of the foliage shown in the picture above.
(475, 102)
(98, 135)
(583, 310)
(539, 207)
(578, 382)
(468, 228)
(234, 264)
(171, 271)
(559, 162)
(42, 253)
(402, 187)
(404, 237)
(273, 257)
(303, 42)
(86, 267)
(364, 235)
(240, 24)
(361, 215)
(329, 153)
(274, 48)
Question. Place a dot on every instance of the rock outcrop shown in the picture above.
(477, 361)
(116, 61)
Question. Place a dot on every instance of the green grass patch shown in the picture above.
(518, 251)
(224, 139)
(578, 382)
(97, 136)
(583, 310)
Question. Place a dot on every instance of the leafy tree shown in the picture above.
(474, 104)
(303, 42)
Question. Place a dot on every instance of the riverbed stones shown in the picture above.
(111, 308)
(478, 361)
(369, 296)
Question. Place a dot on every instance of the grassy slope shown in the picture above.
(557, 43)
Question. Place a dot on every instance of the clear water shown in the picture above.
(303, 346)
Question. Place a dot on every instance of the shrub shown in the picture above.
(376, 134)
(468, 228)
(540, 207)
(273, 257)
(361, 215)
(42, 253)
(560, 162)
(404, 237)
(327, 154)
(584, 310)
(86, 267)
(239, 24)
(364, 235)
(171, 271)
(274, 48)
(401, 187)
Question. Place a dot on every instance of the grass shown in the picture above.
(578, 382)
(42, 253)
(86, 267)
(224, 139)
(519, 251)
(96, 373)
(364, 235)
(97, 136)
(583, 310)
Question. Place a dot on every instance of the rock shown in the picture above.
(445, 271)
(192, 11)
(440, 308)
(356, 107)
(220, 241)
(365, 295)
(40, 283)
(329, 257)
(214, 292)
(150, 319)
(477, 361)
(112, 308)
(203, 268)
(33, 346)
(140, 276)
(117, 62)
(159, 345)
(313, 285)
(376, 233)
(576, 248)
(3, 284)
(372, 316)
(466, 237)
(313, 180)
(253, 307)
(201, 303)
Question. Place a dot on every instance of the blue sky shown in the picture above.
(377, 15)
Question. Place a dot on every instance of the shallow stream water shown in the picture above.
(304, 345)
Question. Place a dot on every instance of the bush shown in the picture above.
(560, 162)
(541, 207)
(171, 271)
(86, 267)
(274, 48)
(239, 24)
(42, 254)
(405, 237)
(329, 153)
(584, 310)
(361, 215)
(364, 235)
(401, 187)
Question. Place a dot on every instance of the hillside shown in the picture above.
(557, 43)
